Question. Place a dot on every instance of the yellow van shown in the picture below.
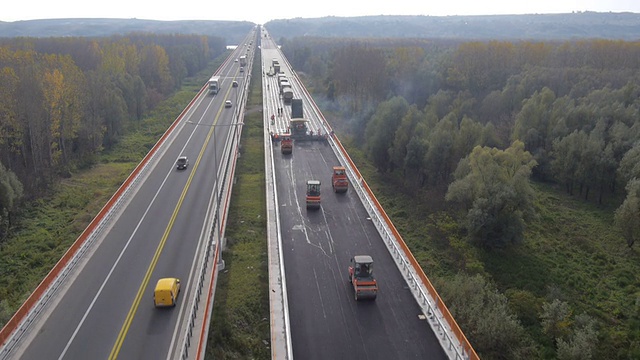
(166, 292)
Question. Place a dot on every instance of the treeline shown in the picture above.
(472, 123)
(64, 100)
(420, 107)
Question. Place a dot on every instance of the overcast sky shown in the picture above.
(264, 10)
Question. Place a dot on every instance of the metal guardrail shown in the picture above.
(281, 346)
(37, 302)
(18, 326)
(216, 228)
(451, 338)
(215, 233)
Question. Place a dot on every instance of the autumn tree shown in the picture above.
(11, 192)
(359, 75)
(493, 186)
(62, 89)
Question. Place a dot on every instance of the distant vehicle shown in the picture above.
(241, 69)
(296, 108)
(236, 60)
(361, 277)
(214, 84)
(281, 79)
(227, 104)
(234, 84)
(286, 144)
(166, 292)
(243, 60)
(287, 94)
(313, 194)
(339, 180)
(182, 162)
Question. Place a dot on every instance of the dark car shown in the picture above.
(234, 84)
(182, 162)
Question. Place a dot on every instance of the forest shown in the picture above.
(63, 101)
(480, 127)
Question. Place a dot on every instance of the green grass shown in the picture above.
(47, 227)
(240, 328)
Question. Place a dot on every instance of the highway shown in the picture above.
(326, 321)
(105, 309)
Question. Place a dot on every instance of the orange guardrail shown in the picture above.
(464, 342)
(455, 328)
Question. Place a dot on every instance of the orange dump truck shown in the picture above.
(339, 180)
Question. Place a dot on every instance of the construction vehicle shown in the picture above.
(300, 131)
(313, 194)
(296, 108)
(286, 144)
(339, 180)
(361, 277)
(214, 84)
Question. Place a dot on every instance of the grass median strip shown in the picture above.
(240, 325)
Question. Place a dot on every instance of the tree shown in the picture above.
(582, 342)
(359, 75)
(484, 315)
(555, 319)
(11, 192)
(567, 155)
(629, 167)
(154, 69)
(628, 214)
(398, 150)
(380, 131)
(493, 186)
(439, 161)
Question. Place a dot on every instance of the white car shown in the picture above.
(227, 103)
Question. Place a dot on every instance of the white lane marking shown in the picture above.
(95, 298)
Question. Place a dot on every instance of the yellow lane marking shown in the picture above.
(145, 282)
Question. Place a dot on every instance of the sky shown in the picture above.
(261, 11)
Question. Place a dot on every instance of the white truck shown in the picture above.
(214, 84)
(287, 94)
